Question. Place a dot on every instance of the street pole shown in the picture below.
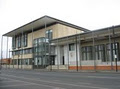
(76, 55)
(116, 67)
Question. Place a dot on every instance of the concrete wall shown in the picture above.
(84, 64)
(22, 56)
(59, 30)
(18, 67)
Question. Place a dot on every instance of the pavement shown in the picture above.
(32, 79)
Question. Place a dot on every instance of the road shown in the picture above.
(32, 79)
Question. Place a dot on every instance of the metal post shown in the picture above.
(76, 55)
(18, 53)
(110, 49)
(7, 53)
(1, 49)
(13, 50)
(21, 48)
(57, 56)
(45, 45)
(68, 52)
(115, 50)
(32, 49)
(49, 57)
(94, 51)
(80, 53)
(9, 59)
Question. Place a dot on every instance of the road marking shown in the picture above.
(58, 88)
(23, 72)
(30, 83)
(15, 85)
(84, 83)
(102, 77)
(57, 82)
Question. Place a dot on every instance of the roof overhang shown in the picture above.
(41, 22)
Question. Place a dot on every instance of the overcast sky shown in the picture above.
(90, 14)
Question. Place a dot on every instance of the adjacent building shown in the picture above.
(49, 43)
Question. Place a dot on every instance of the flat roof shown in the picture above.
(40, 22)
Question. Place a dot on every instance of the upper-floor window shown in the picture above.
(25, 40)
(49, 34)
(19, 41)
(13, 42)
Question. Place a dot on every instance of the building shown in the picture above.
(5, 61)
(49, 43)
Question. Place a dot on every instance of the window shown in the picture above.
(71, 47)
(19, 41)
(100, 52)
(84, 57)
(49, 34)
(36, 59)
(39, 61)
(24, 40)
(13, 42)
(87, 53)
(111, 51)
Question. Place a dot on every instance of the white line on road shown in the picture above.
(15, 85)
(29, 83)
(102, 77)
(68, 84)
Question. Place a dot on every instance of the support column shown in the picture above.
(49, 57)
(76, 55)
(1, 49)
(115, 56)
(110, 48)
(80, 57)
(13, 49)
(57, 56)
(45, 46)
(32, 48)
(7, 52)
(68, 51)
(22, 49)
(94, 51)
(9, 59)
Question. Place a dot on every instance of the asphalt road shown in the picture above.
(32, 79)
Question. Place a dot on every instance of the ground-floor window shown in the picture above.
(111, 51)
(100, 52)
(41, 60)
(27, 61)
(87, 53)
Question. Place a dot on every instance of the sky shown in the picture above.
(90, 14)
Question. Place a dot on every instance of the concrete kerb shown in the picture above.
(70, 71)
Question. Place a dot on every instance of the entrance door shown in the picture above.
(63, 60)
(62, 57)
(52, 60)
